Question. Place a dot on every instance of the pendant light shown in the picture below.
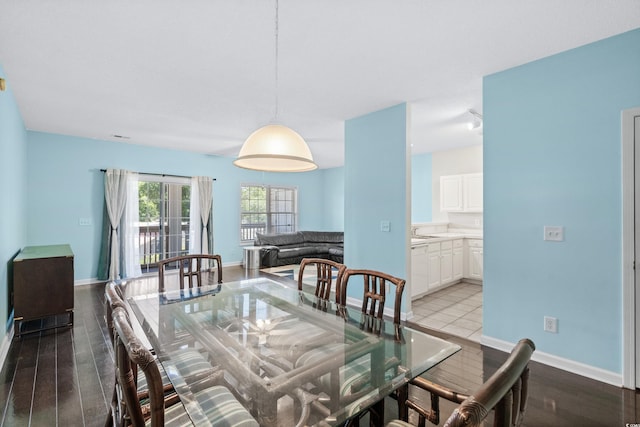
(275, 148)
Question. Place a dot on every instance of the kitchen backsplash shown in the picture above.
(465, 220)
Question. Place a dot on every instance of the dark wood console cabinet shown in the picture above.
(42, 288)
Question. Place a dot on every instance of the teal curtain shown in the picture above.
(105, 248)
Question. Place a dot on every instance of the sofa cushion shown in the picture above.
(279, 239)
(323, 236)
(337, 251)
(300, 251)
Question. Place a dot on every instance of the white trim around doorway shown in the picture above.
(628, 254)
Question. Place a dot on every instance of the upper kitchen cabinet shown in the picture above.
(461, 193)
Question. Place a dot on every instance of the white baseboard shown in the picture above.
(83, 282)
(568, 365)
(4, 346)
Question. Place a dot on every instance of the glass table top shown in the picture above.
(272, 344)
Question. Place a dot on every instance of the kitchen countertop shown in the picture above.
(441, 237)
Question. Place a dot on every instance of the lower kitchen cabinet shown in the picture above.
(419, 271)
(436, 265)
(433, 265)
(446, 262)
(458, 260)
(475, 259)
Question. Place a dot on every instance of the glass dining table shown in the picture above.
(289, 358)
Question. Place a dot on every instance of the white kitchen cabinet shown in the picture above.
(458, 260)
(461, 193)
(440, 264)
(446, 262)
(451, 193)
(419, 271)
(433, 265)
(472, 192)
(475, 259)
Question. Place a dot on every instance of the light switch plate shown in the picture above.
(554, 233)
(385, 226)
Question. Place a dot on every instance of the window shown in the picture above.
(267, 209)
(164, 204)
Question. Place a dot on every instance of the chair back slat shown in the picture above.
(375, 291)
(503, 410)
(516, 394)
(190, 268)
(324, 281)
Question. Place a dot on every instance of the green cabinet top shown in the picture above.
(50, 251)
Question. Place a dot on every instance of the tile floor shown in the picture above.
(456, 310)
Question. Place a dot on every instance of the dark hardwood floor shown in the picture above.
(65, 377)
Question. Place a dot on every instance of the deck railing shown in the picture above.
(248, 232)
(151, 244)
(154, 247)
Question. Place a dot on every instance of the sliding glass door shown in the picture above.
(164, 219)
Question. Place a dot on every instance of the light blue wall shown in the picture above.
(552, 156)
(65, 184)
(375, 190)
(421, 188)
(421, 193)
(13, 192)
(333, 198)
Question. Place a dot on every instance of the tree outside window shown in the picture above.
(164, 221)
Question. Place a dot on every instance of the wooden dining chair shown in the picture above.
(354, 379)
(191, 269)
(325, 270)
(374, 298)
(375, 291)
(130, 354)
(505, 393)
(288, 333)
(116, 412)
(220, 405)
(189, 362)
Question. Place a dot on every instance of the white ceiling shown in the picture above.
(200, 75)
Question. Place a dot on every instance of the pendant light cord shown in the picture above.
(276, 64)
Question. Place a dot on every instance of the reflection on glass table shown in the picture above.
(286, 356)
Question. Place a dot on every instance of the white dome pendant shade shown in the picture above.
(275, 148)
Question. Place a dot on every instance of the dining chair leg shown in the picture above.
(112, 413)
(403, 395)
(376, 414)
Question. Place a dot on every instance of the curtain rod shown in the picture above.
(160, 174)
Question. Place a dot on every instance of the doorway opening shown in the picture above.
(630, 240)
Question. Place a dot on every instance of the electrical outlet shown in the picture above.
(553, 233)
(385, 226)
(551, 324)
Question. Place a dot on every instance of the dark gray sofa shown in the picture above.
(291, 248)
